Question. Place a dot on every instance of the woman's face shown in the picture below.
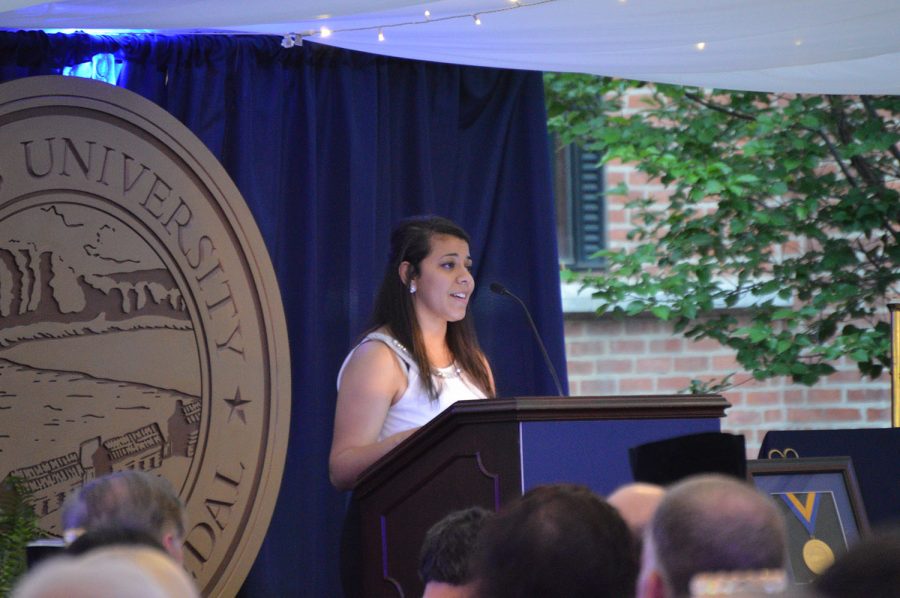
(444, 284)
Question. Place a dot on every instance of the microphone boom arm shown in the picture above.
(501, 290)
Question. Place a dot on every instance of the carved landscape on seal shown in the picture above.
(141, 325)
(77, 291)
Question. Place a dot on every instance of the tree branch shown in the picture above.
(717, 107)
(837, 158)
(871, 176)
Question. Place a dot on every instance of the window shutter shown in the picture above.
(588, 207)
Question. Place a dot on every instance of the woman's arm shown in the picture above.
(372, 380)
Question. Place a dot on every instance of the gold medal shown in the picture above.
(817, 555)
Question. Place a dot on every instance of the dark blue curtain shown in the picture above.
(330, 148)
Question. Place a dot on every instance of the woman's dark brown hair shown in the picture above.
(411, 242)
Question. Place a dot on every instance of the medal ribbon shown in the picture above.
(806, 510)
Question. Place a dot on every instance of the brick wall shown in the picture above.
(641, 355)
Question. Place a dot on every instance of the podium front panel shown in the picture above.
(593, 453)
(479, 468)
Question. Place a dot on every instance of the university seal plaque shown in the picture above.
(141, 325)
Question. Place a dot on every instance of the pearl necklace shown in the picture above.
(451, 371)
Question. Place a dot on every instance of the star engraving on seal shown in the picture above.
(236, 405)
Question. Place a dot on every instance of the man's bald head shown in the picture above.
(712, 523)
(636, 504)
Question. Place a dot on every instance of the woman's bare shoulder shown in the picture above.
(372, 356)
(373, 349)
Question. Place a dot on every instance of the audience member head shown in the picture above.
(71, 577)
(556, 540)
(709, 523)
(132, 500)
(870, 568)
(636, 503)
(764, 583)
(447, 551)
(165, 572)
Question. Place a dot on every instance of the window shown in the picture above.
(103, 67)
(580, 206)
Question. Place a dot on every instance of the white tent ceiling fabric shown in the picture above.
(803, 46)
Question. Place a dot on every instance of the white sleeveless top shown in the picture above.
(415, 408)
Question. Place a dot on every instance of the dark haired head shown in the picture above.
(871, 568)
(557, 540)
(394, 308)
(449, 545)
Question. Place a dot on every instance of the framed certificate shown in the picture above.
(822, 507)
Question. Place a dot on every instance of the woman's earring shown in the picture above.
(412, 287)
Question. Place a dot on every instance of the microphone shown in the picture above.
(498, 288)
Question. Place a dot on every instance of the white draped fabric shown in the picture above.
(814, 46)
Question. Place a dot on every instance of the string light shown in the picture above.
(294, 39)
(324, 32)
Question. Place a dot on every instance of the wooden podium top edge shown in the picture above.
(544, 408)
(593, 407)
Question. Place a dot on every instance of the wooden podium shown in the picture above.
(488, 452)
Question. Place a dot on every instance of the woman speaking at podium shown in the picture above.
(419, 324)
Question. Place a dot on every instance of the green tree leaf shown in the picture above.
(791, 199)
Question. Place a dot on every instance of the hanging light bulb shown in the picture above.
(293, 39)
